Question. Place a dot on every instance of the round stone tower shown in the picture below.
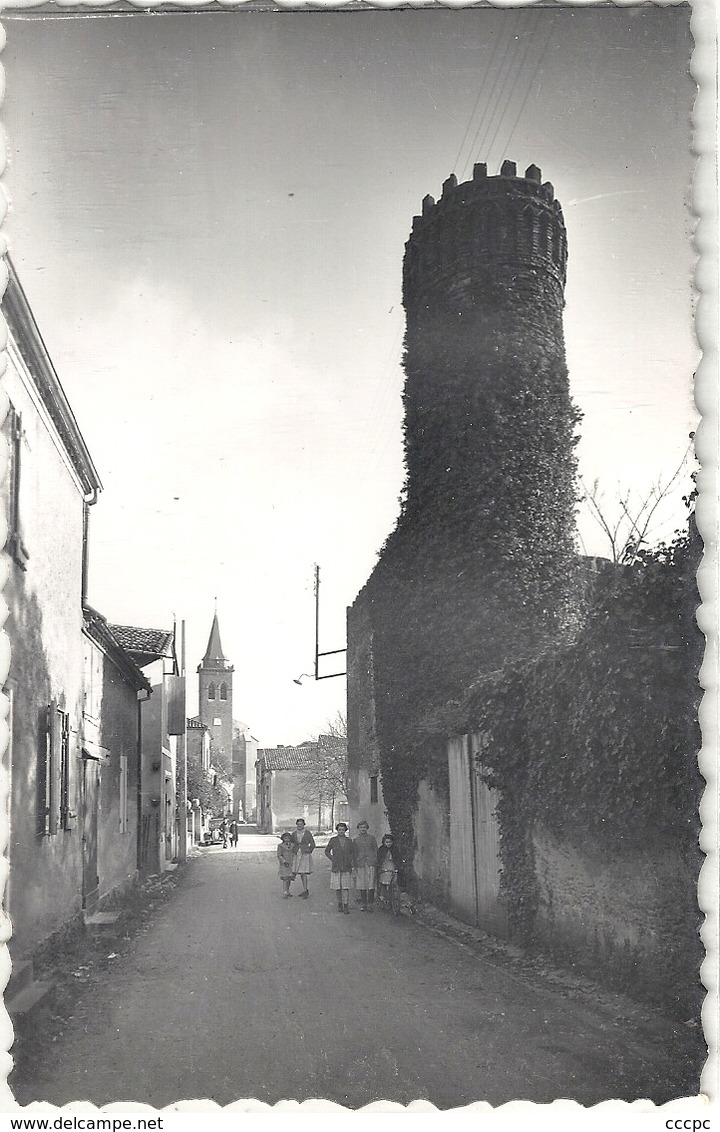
(489, 424)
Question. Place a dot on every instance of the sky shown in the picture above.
(208, 215)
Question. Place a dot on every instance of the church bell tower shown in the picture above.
(215, 676)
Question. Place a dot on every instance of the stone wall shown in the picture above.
(118, 840)
(618, 912)
(431, 863)
(365, 795)
(45, 629)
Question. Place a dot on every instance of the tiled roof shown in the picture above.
(151, 643)
(288, 758)
(194, 723)
(98, 629)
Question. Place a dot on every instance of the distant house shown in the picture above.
(110, 762)
(162, 719)
(72, 755)
(294, 782)
(198, 772)
(244, 757)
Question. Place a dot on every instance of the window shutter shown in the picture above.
(54, 768)
(123, 794)
(65, 771)
(44, 774)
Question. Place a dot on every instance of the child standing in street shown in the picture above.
(285, 856)
(304, 845)
(339, 852)
(365, 851)
(388, 862)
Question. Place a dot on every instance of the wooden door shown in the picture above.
(90, 801)
(463, 890)
(491, 908)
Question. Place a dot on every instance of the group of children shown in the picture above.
(356, 862)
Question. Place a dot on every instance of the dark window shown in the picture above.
(15, 546)
(528, 229)
(56, 795)
(374, 788)
(211, 691)
(545, 235)
(223, 691)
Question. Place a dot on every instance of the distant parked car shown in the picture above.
(213, 834)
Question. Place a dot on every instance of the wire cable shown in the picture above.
(488, 72)
(491, 103)
(528, 44)
(532, 80)
(510, 73)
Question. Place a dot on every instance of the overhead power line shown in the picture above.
(481, 92)
(529, 38)
(503, 69)
(539, 64)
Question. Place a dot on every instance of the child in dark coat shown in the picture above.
(339, 850)
(285, 856)
(388, 863)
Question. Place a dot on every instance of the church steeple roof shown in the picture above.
(213, 652)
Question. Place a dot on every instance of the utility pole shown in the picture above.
(318, 654)
(182, 753)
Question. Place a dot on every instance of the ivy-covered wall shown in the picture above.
(365, 793)
(593, 750)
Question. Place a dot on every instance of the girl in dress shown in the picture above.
(285, 856)
(303, 843)
(388, 861)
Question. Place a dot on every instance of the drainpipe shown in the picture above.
(182, 744)
(142, 697)
(88, 501)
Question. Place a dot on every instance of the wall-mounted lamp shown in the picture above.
(302, 676)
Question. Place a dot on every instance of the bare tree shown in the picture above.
(628, 522)
(326, 781)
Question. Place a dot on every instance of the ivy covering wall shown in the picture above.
(597, 742)
(480, 568)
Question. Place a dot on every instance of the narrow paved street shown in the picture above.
(234, 992)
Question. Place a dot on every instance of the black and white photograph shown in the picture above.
(354, 511)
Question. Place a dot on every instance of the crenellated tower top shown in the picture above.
(485, 235)
(487, 405)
